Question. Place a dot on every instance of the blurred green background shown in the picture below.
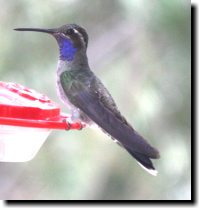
(141, 51)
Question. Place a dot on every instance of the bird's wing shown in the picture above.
(106, 98)
(84, 94)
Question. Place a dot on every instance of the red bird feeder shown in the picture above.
(26, 120)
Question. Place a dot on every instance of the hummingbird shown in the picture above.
(88, 99)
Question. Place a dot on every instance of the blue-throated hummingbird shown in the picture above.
(86, 96)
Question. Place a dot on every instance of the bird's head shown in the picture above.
(71, 39)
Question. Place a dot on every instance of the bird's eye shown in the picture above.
(70, 31)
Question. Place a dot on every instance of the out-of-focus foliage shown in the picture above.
(141, 51)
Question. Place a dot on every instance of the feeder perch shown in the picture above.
(26, 119)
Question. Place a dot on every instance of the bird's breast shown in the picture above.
(62, 66)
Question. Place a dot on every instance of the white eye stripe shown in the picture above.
(80, 35)
(75, 31)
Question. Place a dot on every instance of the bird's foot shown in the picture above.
(70, 125)
(78, 124)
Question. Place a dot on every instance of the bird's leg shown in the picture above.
(74, 119)
(78, 116)
(75, 115)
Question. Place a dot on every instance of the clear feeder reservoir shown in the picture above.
(26, 120)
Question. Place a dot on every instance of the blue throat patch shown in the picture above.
(67, 50)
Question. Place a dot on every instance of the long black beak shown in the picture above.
(49, 31)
